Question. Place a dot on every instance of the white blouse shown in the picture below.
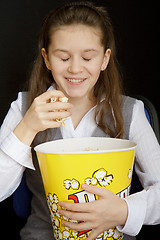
(143, 207)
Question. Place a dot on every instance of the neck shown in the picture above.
(80, 107)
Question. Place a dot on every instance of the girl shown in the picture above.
(76, 60)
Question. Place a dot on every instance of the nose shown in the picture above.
(75, 66)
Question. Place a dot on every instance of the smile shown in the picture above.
(76, 80)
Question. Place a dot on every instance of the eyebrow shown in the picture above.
(60, 50)
(66, 51)
(90, 50)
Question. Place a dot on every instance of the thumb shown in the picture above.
(101, 192)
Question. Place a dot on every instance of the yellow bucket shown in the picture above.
(66, 164)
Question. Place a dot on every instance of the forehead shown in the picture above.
(76, 36)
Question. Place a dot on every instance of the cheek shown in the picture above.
(96, 65)
(57, 69)
(95, 70)
(56, 64)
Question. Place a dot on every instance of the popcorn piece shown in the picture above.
(61, 120)
(54, 207)
(74, 184)
(110, 232)
(67, 183)
(60, 235)
(100, 174)
(53, 100)
(91, 149)
(91, 181)
(63, 99)
(74, 233)
(65, 235)
(57, 222)
(100, 236)
(102, 177)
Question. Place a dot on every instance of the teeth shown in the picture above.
(75, 80)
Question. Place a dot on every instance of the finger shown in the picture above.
(45, 97)
(51, 107)
(56, 115)
(77, 227)
(50, 124)
(101, 192)
(76, 207)
(74, 215)
(57, 106)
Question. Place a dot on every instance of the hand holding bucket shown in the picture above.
(65, 165)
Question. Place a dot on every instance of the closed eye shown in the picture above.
(87, 59)
(65, 59)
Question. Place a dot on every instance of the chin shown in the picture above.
(76, 94)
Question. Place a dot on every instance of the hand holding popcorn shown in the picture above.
(45, 112)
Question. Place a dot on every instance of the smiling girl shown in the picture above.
(76, 60)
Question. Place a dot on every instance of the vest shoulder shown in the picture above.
(128, 104)
(24, 101)
(128, 100)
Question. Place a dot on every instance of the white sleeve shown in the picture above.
(14, 155)
(144, 206)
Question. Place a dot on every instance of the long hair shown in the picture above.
(109, 82)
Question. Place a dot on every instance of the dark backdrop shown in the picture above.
(135, 24)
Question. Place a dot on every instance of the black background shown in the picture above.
(136, 28)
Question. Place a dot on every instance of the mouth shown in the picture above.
(76, 81)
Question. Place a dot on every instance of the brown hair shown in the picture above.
(109, 82)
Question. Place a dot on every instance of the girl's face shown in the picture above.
(76, 58)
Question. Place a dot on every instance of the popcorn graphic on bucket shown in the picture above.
(66, 164)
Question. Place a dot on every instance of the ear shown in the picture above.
(45, 56)
(106, 59)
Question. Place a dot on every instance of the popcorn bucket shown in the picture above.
(66, 164)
